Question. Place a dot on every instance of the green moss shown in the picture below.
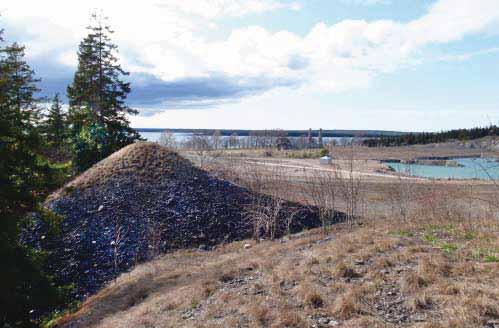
(449, 248)
(469, 235)
(431, 237)
(492, 259)
(402, 233)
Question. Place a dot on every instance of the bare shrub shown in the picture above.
(119, 232)
(265, 212)
(351, 187)
(167, 139)
(401, 196)
(261, 213)
(322, 188)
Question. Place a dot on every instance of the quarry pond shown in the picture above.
(461, 168)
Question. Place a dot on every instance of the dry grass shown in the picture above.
(367, 276)
(144, 160)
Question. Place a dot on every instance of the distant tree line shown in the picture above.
(41, 146)
(432, 137)
(259, 139)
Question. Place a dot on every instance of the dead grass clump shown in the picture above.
(366, 322)
(313, 261)
(449, 288)
(384, 245)
(420, 302)
(467, 268)
(412, 282)
(135, 297)
(382, 263)
(346, 245)
(314, 300)
(259, 314)
(349, 304)
(473, 311)
(343, 270)
(209, 288)
(227, 276)
(289, 319)
(486, 306)
(436, 266)
(418, 249)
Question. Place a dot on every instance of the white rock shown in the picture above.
(247, 246)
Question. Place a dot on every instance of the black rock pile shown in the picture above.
(139, 202)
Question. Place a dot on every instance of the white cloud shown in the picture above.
(451, 20)
(212, 9)
(468, 55)
(167, 38)
(288, 109)
(366, 2)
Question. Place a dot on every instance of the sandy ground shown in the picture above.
(381, 188)
(364, 162)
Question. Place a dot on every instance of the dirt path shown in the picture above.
(343, 172)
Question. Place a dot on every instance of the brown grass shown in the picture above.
(144, 160)
(294, 283)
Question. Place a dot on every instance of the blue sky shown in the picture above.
(290, 64)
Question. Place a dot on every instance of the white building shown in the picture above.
(326, 160)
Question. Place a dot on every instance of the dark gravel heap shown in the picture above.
(141, 201)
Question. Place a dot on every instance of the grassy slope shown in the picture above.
(386, 274)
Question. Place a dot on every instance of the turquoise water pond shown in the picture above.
(472, 168)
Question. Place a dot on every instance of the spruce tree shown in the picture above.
(24, 177)
(98, 93)
(55, 124)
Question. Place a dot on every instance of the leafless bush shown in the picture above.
(119, 232)
(351, 187)
(154, 230)
(495, 201)
(264, 214)
(402, 197)
(268, 211)
(167, 139)
(322, 188)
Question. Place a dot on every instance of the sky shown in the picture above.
(405, 65)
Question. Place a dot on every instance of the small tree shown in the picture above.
(89, 144)
(55, 127)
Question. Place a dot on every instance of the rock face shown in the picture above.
(137, 203)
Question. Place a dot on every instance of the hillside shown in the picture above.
(383, 274)
(142, 201)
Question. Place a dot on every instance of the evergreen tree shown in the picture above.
(24, 178)
(55, 123)
(98, 92)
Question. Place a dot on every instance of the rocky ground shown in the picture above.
(141, 201)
